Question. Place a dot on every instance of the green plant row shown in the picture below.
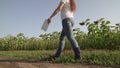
(100, 36)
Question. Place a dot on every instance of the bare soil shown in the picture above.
(8, 63)
(45, 65)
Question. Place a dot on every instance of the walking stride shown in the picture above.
(67, 9)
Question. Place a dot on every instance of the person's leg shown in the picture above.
(67, 27)
(61, 44)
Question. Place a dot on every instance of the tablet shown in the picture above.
(45, 25)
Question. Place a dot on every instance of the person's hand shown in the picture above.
(49, 20)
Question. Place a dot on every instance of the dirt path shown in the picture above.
(45, 65)
(13, 63)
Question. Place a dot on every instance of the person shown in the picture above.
(67, 9)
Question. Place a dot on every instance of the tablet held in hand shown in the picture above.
(45, 25)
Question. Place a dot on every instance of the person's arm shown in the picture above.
(60, 6)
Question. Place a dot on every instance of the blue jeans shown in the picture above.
(67, 25)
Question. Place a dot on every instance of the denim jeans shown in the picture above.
(67, 25)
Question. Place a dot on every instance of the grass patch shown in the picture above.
(99, 57)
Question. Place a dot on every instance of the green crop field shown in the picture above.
(99, 46)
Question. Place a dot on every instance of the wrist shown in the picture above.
(50, 18)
